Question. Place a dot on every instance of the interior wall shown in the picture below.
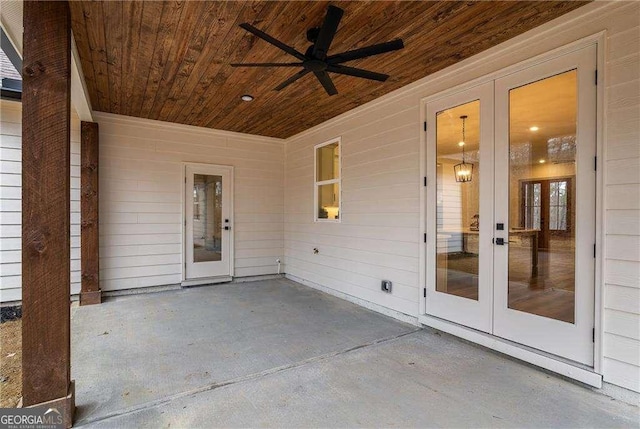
(141, 183)
(380, 235)
(11, 201)
(452, 212)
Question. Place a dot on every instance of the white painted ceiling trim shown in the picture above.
(104, 117)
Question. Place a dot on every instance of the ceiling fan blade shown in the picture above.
(291, 79)
(327, 32)
(275, 42)
(367, 51)
(266, 65)
(326, 82)
(352, 71)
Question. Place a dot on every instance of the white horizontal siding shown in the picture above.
(621, 343)
(10, 196)
(379, 237)
(141, 181)
(11, 202)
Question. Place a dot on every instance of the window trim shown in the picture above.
(317, 184)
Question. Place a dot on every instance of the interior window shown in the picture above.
(327, 181)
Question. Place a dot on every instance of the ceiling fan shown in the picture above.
(316, 59)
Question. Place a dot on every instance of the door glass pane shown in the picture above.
(207, 218)
(542, 153)
(457, 196)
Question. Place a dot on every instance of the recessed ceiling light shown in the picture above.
(542, 161)
(247, 97)
(534, 128)
(461, 144)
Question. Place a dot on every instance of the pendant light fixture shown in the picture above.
(463, 171)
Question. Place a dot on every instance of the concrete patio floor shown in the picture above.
(274, 353)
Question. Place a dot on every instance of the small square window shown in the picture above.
(327, 181)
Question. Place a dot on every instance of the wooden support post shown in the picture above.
(46, 160)
(89, 237)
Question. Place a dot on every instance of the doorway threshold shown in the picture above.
(206, 281)
(572, 370)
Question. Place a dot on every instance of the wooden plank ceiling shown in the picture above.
(170, 60)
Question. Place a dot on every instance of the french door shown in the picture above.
(459, 223)
(546, 129)
(208, 235)
(511, 206)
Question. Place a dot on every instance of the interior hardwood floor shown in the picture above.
(202, 254)
(549, 293)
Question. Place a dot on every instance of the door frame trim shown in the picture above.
(599, 40)
(183, 222)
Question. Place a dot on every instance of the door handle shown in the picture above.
(500, 241)
(227, 228)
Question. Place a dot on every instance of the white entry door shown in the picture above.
(460, 207)
(208, 221)
(545, 198)
(511, 204)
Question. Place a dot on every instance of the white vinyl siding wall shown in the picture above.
(622, 201)
(11, 201)
(141, 183)
(378, 237)
(380, 234)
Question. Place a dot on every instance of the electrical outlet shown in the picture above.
(385, 286)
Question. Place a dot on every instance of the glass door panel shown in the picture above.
(458, 200)
(207, 218)
(545, 198)
(542, 148)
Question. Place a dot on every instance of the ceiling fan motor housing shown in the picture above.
(312, 34)
(316, 59)
(314, 65)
